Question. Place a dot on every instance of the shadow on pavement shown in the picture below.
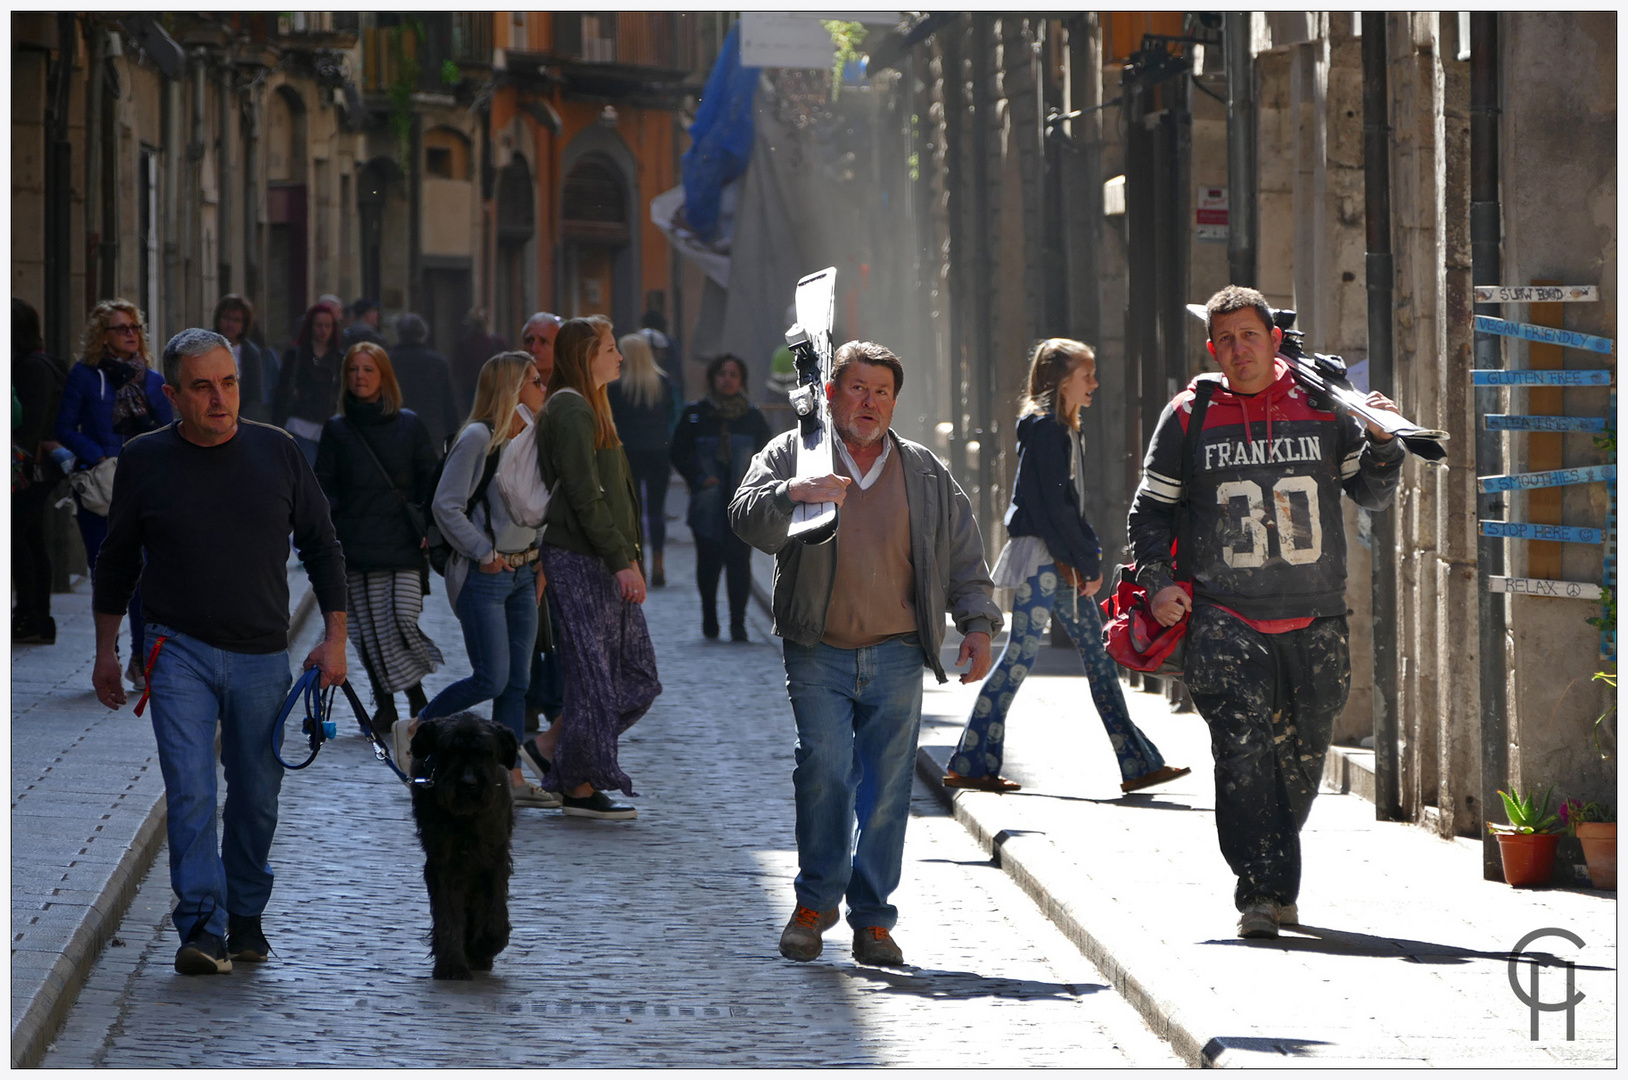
(1317, 939)
(966, 985)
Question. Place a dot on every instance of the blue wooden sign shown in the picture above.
(1553, 478)
(1526, 530)
(1550, 335)
(1539, 377)
(1516, 422)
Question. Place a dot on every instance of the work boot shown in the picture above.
(875, 946)
(709, 623)
(800, 940)
(1259, 919)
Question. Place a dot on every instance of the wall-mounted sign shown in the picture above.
(1560, 590)
(1536, 294)
(1542, 377)
(1516, 422)
(1554, 478)
(1527, 530)
(1547, 334)
(1212, 214)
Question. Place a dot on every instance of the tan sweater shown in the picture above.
(873, 596)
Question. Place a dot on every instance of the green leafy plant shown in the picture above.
(400, 92)
(1525, 816)
(1610, 679)
(450, 75)
(1606, 620)
(1575, 812)
(846, 36)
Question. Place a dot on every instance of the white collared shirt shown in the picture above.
(869, 478)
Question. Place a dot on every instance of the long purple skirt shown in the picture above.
(610, 671)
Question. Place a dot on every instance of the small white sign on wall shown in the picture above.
(1212, 214)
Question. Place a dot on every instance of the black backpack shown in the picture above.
(440, 549)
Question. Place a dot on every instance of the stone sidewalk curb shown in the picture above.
(38, 1023)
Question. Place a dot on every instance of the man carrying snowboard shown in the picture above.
(860, 616)
(1267, 659)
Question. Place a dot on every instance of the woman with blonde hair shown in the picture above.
(489, 506)
(112, 395)
(1054, 563)
(644, 406)
(591, 551)
(374, 462)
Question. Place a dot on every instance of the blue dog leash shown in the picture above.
(319, 726)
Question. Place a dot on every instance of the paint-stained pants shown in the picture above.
(1270, 701)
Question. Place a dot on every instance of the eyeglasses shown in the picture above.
(123, 328)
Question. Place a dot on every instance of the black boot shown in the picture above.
(384, 714)
(416, 701)
(709, 623)
(737, 629)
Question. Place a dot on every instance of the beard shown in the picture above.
(848, 435)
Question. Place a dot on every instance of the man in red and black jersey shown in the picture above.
(1267, 659)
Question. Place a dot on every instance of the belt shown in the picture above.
(516, 559)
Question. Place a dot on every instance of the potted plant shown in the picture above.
(1595, 827)
(1528, 842)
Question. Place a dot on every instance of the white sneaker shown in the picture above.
(529, 794)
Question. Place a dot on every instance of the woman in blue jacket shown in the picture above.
(1053, 561)
(112, 395)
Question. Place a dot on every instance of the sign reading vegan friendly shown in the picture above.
(1486, 324)
(1536, 294)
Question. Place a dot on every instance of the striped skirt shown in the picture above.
(383, 607)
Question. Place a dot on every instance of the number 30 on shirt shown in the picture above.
(1292, 497)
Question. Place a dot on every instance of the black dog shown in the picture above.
(465, 819)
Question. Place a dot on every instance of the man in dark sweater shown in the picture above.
(425, 379)
(1267, 659)
(210, 502)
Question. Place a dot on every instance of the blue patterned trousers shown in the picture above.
(983, 741)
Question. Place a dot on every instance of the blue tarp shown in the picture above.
(721, 137)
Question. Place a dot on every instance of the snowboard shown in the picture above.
(810, 341)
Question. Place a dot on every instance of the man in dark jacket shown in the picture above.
(363, 326)
(1267, 659)
(37, 381)
(202, 514)
(425, 378)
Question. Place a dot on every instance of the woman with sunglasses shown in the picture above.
(112, 395)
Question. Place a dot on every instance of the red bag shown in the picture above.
(1133, 637)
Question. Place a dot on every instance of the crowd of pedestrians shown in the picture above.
(534, 481)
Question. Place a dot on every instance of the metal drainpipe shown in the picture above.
(192, 289)
(1376, 166)
(955, 153)
(223, 189)
(980, 359)
(1241, 179)
(251, 204)
(95, 38)
(1487, 269)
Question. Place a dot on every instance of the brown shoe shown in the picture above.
(981, 783)
(875, 946)
(1158, 776)
(800, 940)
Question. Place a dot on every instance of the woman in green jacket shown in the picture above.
(591, 553)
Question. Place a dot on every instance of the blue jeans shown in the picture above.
(498, 613)
(858, 712)
(194, 685)
(983, 741)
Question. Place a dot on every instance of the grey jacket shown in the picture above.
(945, 547)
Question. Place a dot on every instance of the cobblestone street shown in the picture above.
(650, 942)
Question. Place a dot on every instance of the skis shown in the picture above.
(1324, 377)
(810, 341)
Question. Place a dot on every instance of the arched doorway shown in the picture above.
(594, 227)
(516, 230)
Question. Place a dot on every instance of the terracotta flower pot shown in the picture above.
(1599, 840)
(1529, 858)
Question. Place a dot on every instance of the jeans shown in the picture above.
(93, 530)
(194, 685)
(983, 741)
(546, 690)
(1270, 701)
(858, 712)
(498, 613)
(650, 470)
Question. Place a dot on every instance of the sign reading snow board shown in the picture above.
(1554, 478)
(1549, 335)
(1536, 294)
(1560, 590)
(797, 39)
(1212, 214)
(1527, 530)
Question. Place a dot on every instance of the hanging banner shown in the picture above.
(1560, 590)
(1517, 422)
(1525, 530)
(1547, 334)
(1541, 377)
(1536, 294)
(1554, 478)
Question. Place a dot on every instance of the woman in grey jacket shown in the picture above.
(494, 580)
